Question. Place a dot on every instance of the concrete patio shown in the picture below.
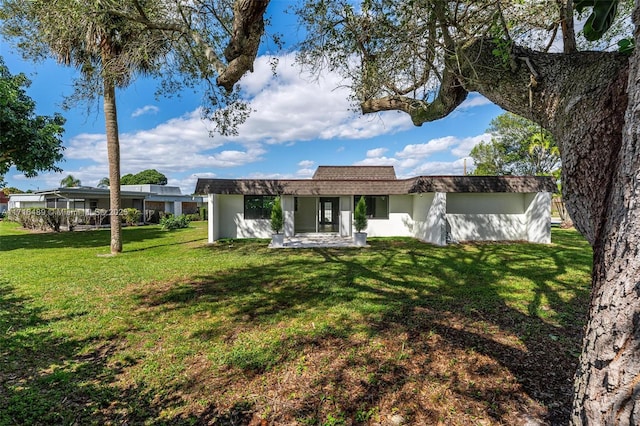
(316, 240)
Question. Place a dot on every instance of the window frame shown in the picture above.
(258, 213)
(370, 202)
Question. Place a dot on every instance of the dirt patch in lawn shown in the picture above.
(417, 367)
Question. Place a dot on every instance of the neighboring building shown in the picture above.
(4, 202)
(435, 209)
(168, 199)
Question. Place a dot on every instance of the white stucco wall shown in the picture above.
(429, 217)
(213, 217)
(488, 217)
(538, 217)
(233, 224)
(399, 223)
(346, 215)
(486, 227)
(288, 215)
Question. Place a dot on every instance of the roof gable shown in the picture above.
(354, 173)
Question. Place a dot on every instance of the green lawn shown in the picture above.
(177, 331)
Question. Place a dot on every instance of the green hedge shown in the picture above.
(47, 219)
(175, 222)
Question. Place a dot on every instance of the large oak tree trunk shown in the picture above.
(607, 386)
(113, 153)
(582, 99)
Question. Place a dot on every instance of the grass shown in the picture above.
(177, 331)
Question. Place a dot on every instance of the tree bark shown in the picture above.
(607, 387)
(581, 98)
(248, 27)
(113, 153)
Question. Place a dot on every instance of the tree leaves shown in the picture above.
(28, 141)
(602, 16)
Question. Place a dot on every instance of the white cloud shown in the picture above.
(188, 184)
(465, 146)
(306, 163)
(147, 109)
(376, 152)
(288, 108)
(378, 161)
(427, 149)
(180, 144)
(295, 106)
(440, 168)
(474, 100)
(305, 173)
(412, 160)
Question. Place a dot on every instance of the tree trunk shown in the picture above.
(607, 386)
(581, 98)
(113, 152)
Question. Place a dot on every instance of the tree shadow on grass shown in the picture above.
(465, 320)
(47, 378)
(77, 239)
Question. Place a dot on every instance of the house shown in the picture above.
(4, 202)
(160, 198)
(435, 209)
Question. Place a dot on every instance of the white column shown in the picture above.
(288, 214)
(346, 215)
(538, 217)
(211, 225)
(177, 208)
(436, 220)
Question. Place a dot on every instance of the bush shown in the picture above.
(170, 222)
(360, 215)
(131, 216)
(276, 216)
(194, 217)
(44, 219)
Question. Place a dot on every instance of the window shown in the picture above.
(258, 206)
(377, 205)
(93, 205)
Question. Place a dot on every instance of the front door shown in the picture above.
(328, 214)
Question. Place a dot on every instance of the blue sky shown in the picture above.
(298, 123)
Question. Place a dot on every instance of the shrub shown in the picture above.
(360, 215)
(170, 222)
(276, 216)
(131, 216)
(194, 217)
(44, 219)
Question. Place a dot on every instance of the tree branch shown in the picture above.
(568, 30)
(242, 49)
(450, 95)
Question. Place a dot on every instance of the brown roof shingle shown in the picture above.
(416, 185)
(354, 173)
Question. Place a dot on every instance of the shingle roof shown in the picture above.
(354, 173)
(416, 185)
(424, 184)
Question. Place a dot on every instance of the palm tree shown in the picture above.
(69, 182)
(107, 49)
(544, 154)
(103, 183)
(111, 42)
